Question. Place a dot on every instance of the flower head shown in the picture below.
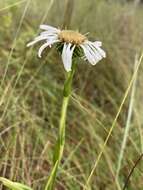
(70, 41)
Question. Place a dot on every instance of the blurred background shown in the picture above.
(31, 95)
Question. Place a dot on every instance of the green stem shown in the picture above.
(59, 148)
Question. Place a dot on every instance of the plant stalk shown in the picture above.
(59, 148)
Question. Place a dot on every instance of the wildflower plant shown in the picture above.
(71, 45)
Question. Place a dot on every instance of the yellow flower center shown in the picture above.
(73, 37)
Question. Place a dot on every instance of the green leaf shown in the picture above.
(14, 185)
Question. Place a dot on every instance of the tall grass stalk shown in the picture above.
(128, 122)
(68, 13)
(59, 148)
(15, 40)
(12, 5)
(113, 124)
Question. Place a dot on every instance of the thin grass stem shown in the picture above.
(128, 122)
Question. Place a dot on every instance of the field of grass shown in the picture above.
(105, 106)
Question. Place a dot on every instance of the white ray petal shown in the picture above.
(64, 52)
(86, 56)
(31, 43)
(93, 51)
(43, 37)
(98, 47)
(49, 28)
(98, 43)
(47, 38)
(48, 33)
(41, 49)
(90, 54)
(37, 39)
(67, 54)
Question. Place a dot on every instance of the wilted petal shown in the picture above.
(67, 54)
(89, 56)
(43, 37)
(49, 34)
(97, 45)
(49, 28)
(49, 43)
(93, 52)
(37, 39)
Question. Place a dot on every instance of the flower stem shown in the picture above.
(59, 148)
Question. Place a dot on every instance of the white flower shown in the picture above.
(71, 40)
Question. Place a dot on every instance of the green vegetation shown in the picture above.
(31, 96)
